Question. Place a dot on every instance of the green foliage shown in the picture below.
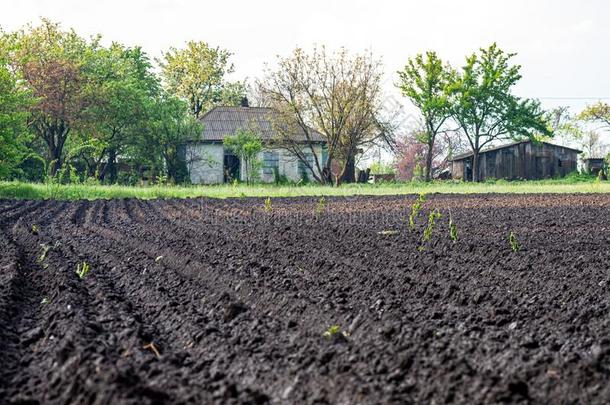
(82, 269)
(415, 208)
(197, 74)
(333, 331)
(35, 229)
(268, 207)
(432, 218)
(246, 144)
(599, 112)
(43, 253)
(426, 82)
(45, 300)
(514, 243)
(453, 234)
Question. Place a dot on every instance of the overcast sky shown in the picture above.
(563, 46)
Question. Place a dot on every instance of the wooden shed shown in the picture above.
(518, 160)
(594, 165)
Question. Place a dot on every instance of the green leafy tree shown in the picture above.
(425, 80)
(171, 128)
(13, 123)
(484, 108)
(246, 145)
(598, 112)
(197, 75)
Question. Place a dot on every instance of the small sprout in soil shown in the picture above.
(452, 229)
(432, 217)
(45, 301)
(514, 243)
(333, 331)
(151, 346)
(35, 229)
(320, 207)
(415, 208)
(158, 259)
(82, 269)
(43, 252)
(268, 207)
(387, 232)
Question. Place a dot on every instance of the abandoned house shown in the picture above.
(209, 162)
(518, 160)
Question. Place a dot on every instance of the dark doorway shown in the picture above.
(231, 168)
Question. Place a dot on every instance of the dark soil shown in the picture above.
(212, 301)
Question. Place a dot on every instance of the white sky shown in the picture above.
(564, 46)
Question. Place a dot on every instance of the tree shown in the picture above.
(13, 122)
(599, 112)
(246, 145)
(484, 108)
(197, 75)
(51, 63)
(161, 146)
(425, 81)
(334, 96)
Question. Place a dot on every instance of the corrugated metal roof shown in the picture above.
(223, 121)
(468, 154)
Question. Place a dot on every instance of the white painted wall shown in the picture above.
(209, 167)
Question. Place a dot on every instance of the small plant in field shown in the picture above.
(35, 229)
(514, 243)
(321, 206)
(415, 208)
(82, 269)
(43, 252)
(268, 207)
(45, 301)
(158, 259)
(432, 218)
(334, 331)
(452, 229)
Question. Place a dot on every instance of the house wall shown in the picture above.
(205, 162)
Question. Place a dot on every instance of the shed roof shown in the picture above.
(220, 122)
(508, 145)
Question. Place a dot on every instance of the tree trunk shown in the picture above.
(111, 168)
(475, 166)
(349, 171)
(428, 174)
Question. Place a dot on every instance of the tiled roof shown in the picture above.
(222, 121)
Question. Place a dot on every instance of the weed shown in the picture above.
(320, 207)
(268, 207)
(415, 208)
(432, 217)
(452, 229)
(82, 269)
(35, 229)
(514, 243)
(158, 259)
(45, 301)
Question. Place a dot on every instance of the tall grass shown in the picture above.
(19, 190)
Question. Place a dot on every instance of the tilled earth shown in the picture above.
(223, 301)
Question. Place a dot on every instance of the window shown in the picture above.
(559, 162)
(270, 161)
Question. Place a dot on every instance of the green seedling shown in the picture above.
(415, 208)
(452, 229)
(82, 269)
(320, 207)
(158, 259)
(43, 252)
(432, 218)
(45, 301)
(514, 243)
(268, 207)
(333, 331)
(35, 229)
